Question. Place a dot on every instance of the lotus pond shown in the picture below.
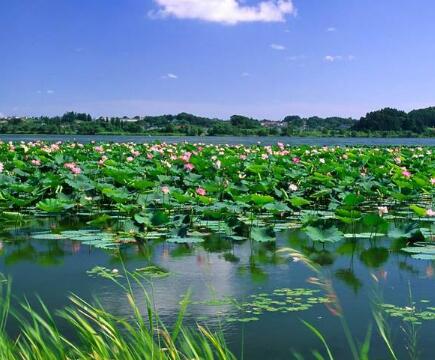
(261, 237)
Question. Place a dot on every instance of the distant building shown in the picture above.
(272, 123)
(131, 119)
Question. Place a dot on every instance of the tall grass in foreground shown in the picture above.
(101, 335)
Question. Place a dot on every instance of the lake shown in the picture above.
(262, 238)
(231, 140)
(247, 272)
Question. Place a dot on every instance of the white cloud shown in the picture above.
(245, 74)
(225, 11)
(277, 47)
(333, 58)
(170, 76)
(331, 29)
(49, 92)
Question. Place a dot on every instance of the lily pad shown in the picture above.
(184, 240)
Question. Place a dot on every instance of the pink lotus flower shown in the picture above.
(189, 167)
(36, 162)
(130, 159)
(242, 157)
(382, 210)
(2, 167)
(102, 160)
(99, 149)
(432, 181)
(201, 191)
(406, 173)
(430, 212)
(72, 167)
(76, 170)
(69, 166)
(186, 157)
(165, 190)
(296, 160)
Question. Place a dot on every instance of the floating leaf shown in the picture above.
(261, 234)
(331, 234)
(184, 240)
(152, 271)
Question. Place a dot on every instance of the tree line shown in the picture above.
(384, 122)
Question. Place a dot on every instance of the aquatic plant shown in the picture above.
(245, 191)
(98, 334)
(282, 300)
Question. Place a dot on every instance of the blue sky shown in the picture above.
(265, 59)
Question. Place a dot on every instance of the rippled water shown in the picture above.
(219, 269)
(232, 140)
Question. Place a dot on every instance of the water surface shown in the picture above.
(232, 140)
(220, 269)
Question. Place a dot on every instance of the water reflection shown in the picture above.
(220, 269)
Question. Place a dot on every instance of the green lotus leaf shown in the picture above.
(418, 210)
(54, 205)
(258, 199)
(184, 240)
(406, 231)
(331, 234)
(262, 234)
(298, 201)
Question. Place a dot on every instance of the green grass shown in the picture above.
(98, 334)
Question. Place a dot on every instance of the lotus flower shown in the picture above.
(201, 191)
(406, 173)
(382, 210)
(189, 167)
